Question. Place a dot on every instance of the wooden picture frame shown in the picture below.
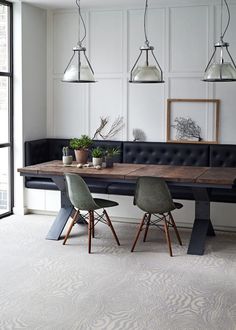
(214, 124)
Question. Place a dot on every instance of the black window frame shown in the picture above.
(9, 74)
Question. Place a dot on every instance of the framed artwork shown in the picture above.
(193, 120)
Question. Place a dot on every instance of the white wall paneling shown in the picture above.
(155, 32)
(42, 200)
(183, 35)
(146, 102)
(106, 101)
(147, 110)
(188, 88)
(106, 41)
(69, 106)
(230, 34)
(188, 38)
(65, 37)
(226, 93)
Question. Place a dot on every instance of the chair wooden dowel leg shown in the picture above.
(73, 222)
(147, 227)
(111, 226)
(92, 226)
(90, 230)
(139, 231)
(167, 236)
(175, 228)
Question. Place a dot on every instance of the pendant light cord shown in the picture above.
(145, 27)
(82, 20)
(227, 25)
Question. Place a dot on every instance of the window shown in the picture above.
(6, 110)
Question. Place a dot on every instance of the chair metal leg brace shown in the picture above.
(168, 221)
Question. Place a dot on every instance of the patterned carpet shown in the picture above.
(44, 285)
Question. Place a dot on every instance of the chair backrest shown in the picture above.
(79, 193)
(152, 195)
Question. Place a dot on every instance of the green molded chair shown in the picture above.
(82, 200)
(153, 197)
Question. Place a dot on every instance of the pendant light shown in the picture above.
(219, 70)
(150, 71)
(79, 69)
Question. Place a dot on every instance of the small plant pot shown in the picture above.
(97, 161)
(109, 162)
(67, 160)
(81, 156)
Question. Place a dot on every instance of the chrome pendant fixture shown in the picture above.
(221, 67)
(79, 69)
(149, 71)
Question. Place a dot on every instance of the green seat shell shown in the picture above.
(152, 195)
(80, 195)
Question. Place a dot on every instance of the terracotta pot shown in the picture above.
(81, 156)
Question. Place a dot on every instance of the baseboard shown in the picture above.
(42, 212)
(20, 210)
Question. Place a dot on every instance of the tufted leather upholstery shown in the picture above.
(166, 153)
(36, 152)
(223, 155)
(43, 150)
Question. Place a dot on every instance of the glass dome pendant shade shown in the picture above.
(79, 69)
(146, 69)
(218, 69)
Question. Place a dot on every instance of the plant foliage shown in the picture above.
(84, 142)
(97, 152)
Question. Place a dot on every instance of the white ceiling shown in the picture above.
(53, 4)
(50, 4)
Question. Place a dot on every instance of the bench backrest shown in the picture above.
(223, 155)
(166, 153)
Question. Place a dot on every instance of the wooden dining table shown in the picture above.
(199, 179)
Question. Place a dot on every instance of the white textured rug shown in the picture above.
(44, 285)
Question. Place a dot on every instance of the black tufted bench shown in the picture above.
(162, 153)
(223, 155)
(44, 150)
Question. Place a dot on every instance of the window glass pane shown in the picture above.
(4, 38)
(4, 181)
(4, 110)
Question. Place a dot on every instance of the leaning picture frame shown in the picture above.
(192, 120)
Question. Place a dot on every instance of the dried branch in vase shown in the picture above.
(115, 128)
(186, 128)
(103, 123)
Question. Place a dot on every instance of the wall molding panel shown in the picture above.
(183, 35)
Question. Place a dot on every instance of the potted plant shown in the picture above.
(66, 158)
(97, 155)
(80, 147)
(110, 156)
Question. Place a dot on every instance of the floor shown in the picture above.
(44, 285)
